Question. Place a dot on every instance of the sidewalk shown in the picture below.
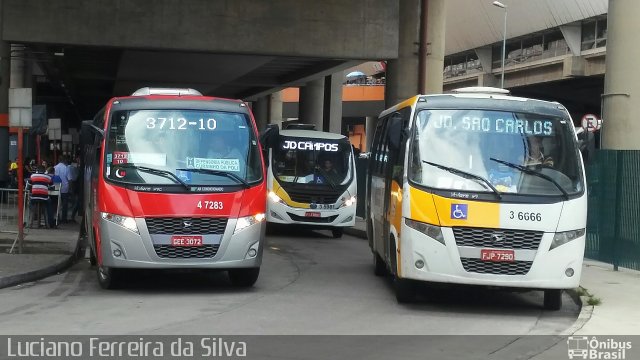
(45, 252)
(619, 292)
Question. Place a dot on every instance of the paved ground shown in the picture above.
(310, 284)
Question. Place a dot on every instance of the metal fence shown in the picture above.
(613, 226)
(9, 211)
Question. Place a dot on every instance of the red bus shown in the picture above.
(174, 179)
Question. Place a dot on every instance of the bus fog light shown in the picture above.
(569, 272)
(419, 264)
(117, 253)
(253, 250)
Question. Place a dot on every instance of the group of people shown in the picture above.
(42, 179)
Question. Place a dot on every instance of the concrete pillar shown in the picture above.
(311, 103)
(17, 66)
(402, 73)
(621, 98)
(275, 108)
(5, 71)
(370, 129)
(261, 112)
(436, 15)
(332, 115)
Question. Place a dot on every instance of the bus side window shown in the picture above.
(375, 154)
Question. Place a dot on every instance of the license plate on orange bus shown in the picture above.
(497, 255)
(180, 240)
(312, 214)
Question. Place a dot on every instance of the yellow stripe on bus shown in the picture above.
(458, 212)
(422, 207)
(286, 198)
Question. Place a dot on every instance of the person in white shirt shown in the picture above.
(62, 170)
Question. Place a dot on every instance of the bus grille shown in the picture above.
(190, 226)
(186, 252)
(496, 268)
(500, 238)
(313, 196)
(319, 220)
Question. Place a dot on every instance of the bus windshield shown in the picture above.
(182, 147)
(299, 160)
(517, 153)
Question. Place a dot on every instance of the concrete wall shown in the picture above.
(346, 29)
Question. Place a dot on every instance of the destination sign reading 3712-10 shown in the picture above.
(490, 125)
(180, 123)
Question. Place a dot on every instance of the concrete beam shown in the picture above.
(573, 36)
(354, 29)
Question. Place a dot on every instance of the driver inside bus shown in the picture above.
(220, 149)
(536, 156)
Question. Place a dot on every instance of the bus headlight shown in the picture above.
(275, 198)
(432, 231)
(349, 202)
(562, 238)
(126, 222)
(245, 222)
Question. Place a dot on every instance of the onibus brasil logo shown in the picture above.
(582, 347)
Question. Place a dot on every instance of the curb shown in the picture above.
(17, 279)
(586, 311)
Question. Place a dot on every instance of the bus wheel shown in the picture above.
(380, 268)
(92, 257)
(108, 278)
(337, 232)
(553, 299)
(244, 277)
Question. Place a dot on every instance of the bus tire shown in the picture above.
(109, 278)
(243, 277)
(337, 232)
(380, 268)
(92, 257)
(552, 299)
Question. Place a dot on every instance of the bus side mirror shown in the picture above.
(587, 145)
(269, 136)
(88, 132)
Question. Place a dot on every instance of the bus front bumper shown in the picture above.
(285, 214)
(426, 259)
(122, 248)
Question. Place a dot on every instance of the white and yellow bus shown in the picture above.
(311, 179)
(477, 187)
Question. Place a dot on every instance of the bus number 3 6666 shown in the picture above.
(210, 205)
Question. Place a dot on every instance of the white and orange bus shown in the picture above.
(477, 187)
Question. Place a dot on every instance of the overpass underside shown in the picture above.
(91, 51)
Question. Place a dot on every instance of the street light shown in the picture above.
(504, 39)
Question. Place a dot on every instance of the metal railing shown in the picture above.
(613, 226)
(9, 211)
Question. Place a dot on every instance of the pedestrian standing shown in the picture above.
(39, 194)
(62, 171)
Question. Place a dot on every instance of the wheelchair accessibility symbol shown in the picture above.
(459, 211)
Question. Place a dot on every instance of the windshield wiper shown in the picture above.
(219, 172)
(479, 179)
(533, 172)
(159, 172)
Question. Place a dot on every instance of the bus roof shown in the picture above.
(481, 100)
(312, 134)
